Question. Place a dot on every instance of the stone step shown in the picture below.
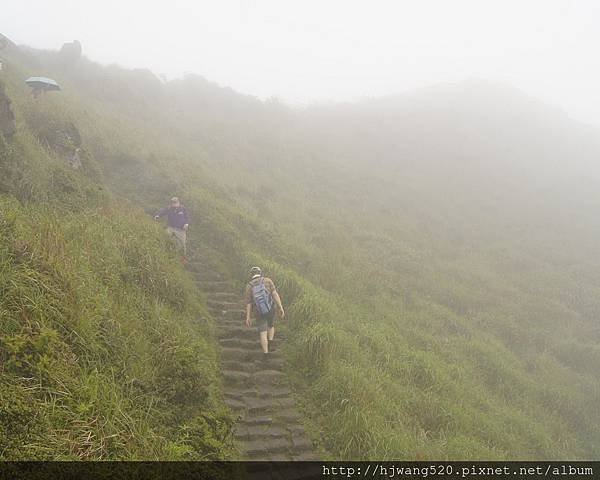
(275, 392)
(272, 364)
(215, 285)
(228, 353)
(270, 388)
(268, 376)
(197, 265)
(236, 365)
(268, 431)
(224, 314)
(256, 456)
(242, 352)
(287, 402)
(226, 296)
(233, 330)
(301, 444)
(238, 312)
(261, 448)
(208, 276)
(296, 429)
(235, 404)
(221, 316)
(254, 356)
(235, 377)
(246, 344)
(240, 342)
(237, 321)
(224, 318)
(257, 420)
(251, 365)
(288, 415)
(240, 393)
(222, 305)
(259, 406)
(236, 330)
(222, 329)
(257, 432)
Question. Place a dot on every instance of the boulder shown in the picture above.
(70, 52)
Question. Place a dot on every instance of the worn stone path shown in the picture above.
(268, 426)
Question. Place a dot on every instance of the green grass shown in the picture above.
(434, 311)
(104, 342)
(106, 347)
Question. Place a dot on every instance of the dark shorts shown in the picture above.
(264, 322)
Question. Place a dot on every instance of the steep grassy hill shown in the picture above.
(106, 348)
(438, 251)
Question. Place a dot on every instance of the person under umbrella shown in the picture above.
(41, 85)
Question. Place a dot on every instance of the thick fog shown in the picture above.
(337, 50)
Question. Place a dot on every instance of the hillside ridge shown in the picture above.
(439, 265)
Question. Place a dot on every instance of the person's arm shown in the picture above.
(186, 218)
(248, 310)
(277, 300)
(161, 213)
(248, 298)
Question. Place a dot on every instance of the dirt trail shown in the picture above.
(268, 426)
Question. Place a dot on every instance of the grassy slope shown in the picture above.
(106, 349)
(474, 335)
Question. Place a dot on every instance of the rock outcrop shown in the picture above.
(5, 43)
(70, 52)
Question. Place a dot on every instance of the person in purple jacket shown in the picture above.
(178, 222)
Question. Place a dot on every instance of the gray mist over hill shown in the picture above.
(336, 50)
(439, 249)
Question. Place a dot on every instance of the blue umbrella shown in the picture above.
(42, 83)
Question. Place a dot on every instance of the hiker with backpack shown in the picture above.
(178, 222)
(262, 297)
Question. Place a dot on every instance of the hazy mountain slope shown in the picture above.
(106, 348)
(439, 250)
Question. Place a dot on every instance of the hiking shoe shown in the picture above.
(265, 356)
(272, 346)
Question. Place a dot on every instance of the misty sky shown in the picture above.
(303, 51)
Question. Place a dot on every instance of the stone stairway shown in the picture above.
(257, 391)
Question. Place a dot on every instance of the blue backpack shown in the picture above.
(262, 297)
